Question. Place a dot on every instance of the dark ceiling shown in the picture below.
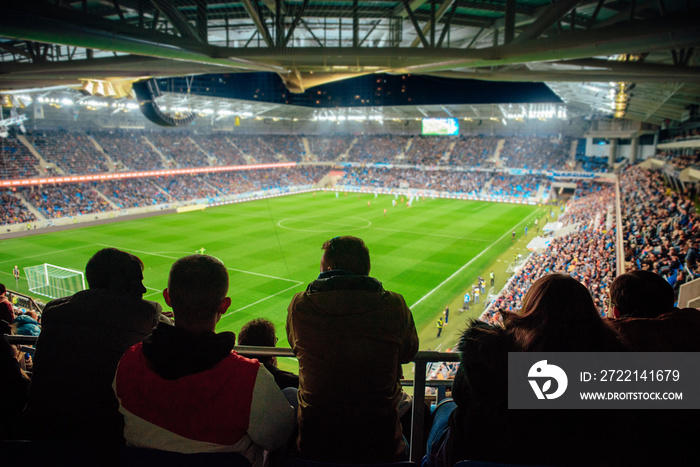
(642, 54)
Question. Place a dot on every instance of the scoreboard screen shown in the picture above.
(440, 126)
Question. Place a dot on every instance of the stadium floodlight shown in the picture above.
(54, 281)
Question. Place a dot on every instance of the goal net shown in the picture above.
(54, 281)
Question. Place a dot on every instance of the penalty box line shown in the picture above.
(295, 282)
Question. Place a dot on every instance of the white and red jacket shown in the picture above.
(234, 406)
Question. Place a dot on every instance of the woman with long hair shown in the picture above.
(558, 315)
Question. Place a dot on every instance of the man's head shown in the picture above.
(116, 270)
(347, 253)
(3, 290)
(258, 332)
(641, 294)
(197, 288)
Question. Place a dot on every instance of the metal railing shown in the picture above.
(419, 382)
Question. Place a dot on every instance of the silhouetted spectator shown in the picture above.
(185, 390)
(558, 315)
(7, 311)
(643, 303)
(350, 337)
(82, 339)
(260, 332)
(13, 387)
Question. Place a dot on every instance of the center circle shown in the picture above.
(323, 223)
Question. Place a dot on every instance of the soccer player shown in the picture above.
(15, 272)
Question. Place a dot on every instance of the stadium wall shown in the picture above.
(67, 223)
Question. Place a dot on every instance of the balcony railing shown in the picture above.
(419, 382)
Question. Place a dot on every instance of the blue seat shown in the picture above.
(144, 457)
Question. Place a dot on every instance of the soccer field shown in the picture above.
(430, 252)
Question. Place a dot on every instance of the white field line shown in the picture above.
(262, 300)
(432, 235)
(230, 269)
(296, 283)
(470, 261)
(42, 254)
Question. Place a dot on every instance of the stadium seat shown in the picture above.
(143, 457)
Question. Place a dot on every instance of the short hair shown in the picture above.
(115, 269)
(348, 253)
(3, 289)
(641, 294)
(260, 332)
(196, 285)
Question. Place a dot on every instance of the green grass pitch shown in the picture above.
(430, 252)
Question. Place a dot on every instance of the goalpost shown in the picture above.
(54, 281)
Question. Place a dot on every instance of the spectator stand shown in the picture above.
(16, 161)
(73, 152)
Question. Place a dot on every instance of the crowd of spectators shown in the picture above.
(467, 183)
(512, 186)
(179, 148)
(427, 150)
(587, 253)
(378, 148)
(55, 201)
(329, 148)
(73, 152)
(219, 147)
(661, 232)
(12, 211)
(256, 150)
(474, 151)
(285, 147)
(15, 160)
(72, 199)
(64, 200)
(128, 150)
(592, 163)
(532, 152)
(680, 158)
(132, 192)
(690, 134)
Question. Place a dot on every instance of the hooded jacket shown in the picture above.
(350, 337)
(187, 393)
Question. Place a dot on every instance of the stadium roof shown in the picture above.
(636, 57)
